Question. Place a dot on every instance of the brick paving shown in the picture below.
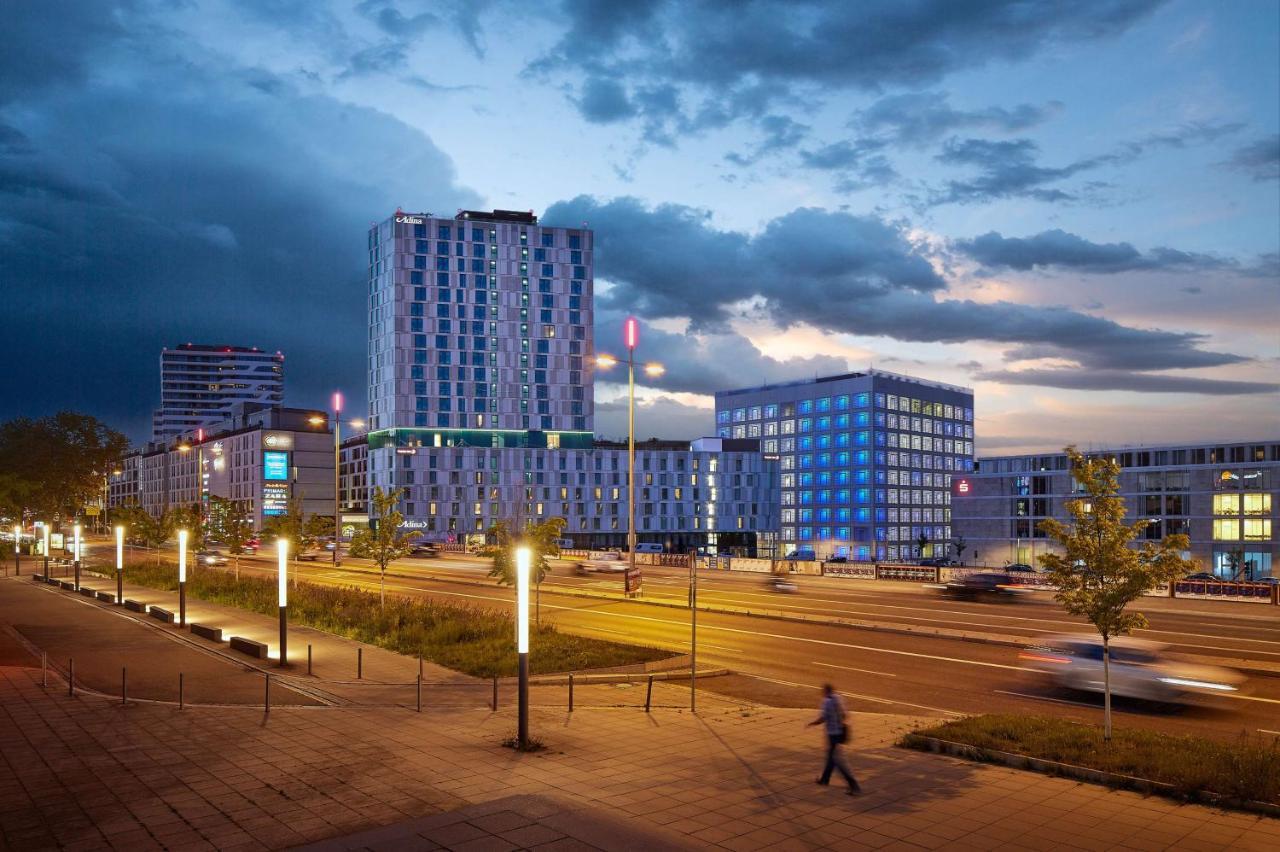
(89, 773)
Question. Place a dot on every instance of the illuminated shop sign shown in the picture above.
(277, 441)
(275, 466)
(962, 486)
(275, 499)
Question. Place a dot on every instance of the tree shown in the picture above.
(290, 527)
(543, 541)
(55, 465)
(189, 518)
(921, 543)
(154, 531)
(960, 546)
(317, 528)
(236, 526)
(1098, 574)
(383, 543)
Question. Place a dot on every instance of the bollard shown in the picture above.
(266, 695)
(648, 696)
(359, 663)
(495, 693)
(419, 693)
(570, 692)
(71, 677)
(124, 685)
(181, 697)
(308, 658)
(419, 666)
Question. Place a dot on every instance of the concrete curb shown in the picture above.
(1081, 773)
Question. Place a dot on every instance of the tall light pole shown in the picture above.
(76, 556)
(631, 339)
(522, 641)
(46, 549)
(17, 550)
(282, 595)
(119, 565)
(337, 465)
(182, 577)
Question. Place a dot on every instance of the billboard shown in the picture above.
(275, 466)
(275, 500)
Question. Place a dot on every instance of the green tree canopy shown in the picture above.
(53, 466)
(386, 542)
(543, 541)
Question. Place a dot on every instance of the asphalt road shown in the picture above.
(902, 672)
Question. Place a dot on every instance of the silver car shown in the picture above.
(1139, 669)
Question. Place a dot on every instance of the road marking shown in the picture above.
(1046, 698)
(1265, 731)
(1239, 697)
(852, 669)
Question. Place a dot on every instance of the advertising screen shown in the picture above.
(275, 466)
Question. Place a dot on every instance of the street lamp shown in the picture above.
(631, 338)
(337, 460)
(282, 594)
(75, 555)
(46, 549)
(182, 577)
(522, 640)
(119, 565)
(17, 550)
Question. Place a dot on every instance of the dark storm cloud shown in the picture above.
(604, 101)
(1063, 250)
(779, 133)
(1102, 380)
(919, 118)
(856, 275)
(723, 53)
(178, 199)
(1259, 160)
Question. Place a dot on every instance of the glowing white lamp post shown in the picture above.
(17, 549)
(182, 577)
(522, 639)
(282, 585)
(119, 565)
(46, 549)
(75, 555)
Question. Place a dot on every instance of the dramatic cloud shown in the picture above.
(1126, 381)
(737, 59)
(1259, 160)
(664, 417)
(919, 118)
(1057, 248)
(856, 275)
(180, 199)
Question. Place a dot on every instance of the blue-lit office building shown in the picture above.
(866, 459)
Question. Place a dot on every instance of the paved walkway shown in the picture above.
(89, 773)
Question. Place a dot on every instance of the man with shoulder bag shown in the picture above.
(832, 716)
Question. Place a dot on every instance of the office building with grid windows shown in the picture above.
(1223, 496)
(865, 459)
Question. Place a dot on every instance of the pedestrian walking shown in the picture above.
(832, 717)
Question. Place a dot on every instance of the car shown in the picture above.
(211, 557)
(801, 554)
(1269, 581)
(603, 563)
(1019, 568)
(648, 547)
(1139, 669)
(837, 560)
(781, 583)
(1203, 577)
(983, 584)
(424, 548)
(937, 562)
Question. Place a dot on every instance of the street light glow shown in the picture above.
(337, 401)
(182, 556)
(282, 569)
(522, 600)
(76, 551)
(631, 332)
(119, 548)
(359, 424)
(604, 362)
(654, 369)
(316, 420)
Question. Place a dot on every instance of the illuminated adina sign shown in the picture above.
(962, 486)
(409, 220)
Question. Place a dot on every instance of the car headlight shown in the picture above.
(1197, 684)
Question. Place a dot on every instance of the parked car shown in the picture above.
(938, 562)
(837, 560)
(1139, 669)
(211, 557)
(801, 554)
(1204, 577)
(1019, 568)
(604, 563)
(648, 547)
(1270, 581)
(984, 584)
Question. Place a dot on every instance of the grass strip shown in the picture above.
(1245, 770)
(476, 640)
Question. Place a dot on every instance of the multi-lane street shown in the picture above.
(890, 648)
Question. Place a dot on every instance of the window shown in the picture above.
(1227, 504)
(1257, 529)
(1224, 530)
(1256, 504)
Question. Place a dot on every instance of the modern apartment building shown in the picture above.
(200, 384)
(260, 456)
(866, 459)
(1224, 496)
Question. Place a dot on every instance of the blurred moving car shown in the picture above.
(1203, 576)
(211, 557)
(603, 563)
(309, 554)
(984, 584)
(838, 560)
(781, 583)
(424, 548)
(801, 554)
(1139, 669)
(937, 562)
(1019, 568)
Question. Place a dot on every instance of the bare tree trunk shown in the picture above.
(1106, 688)
(382, 588)
(237, 557)
(537, 603)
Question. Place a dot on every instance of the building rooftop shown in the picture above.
(841, 377)
(1132, 448)
(523, 217)
(212, 347)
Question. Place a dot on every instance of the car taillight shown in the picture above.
(1042, 658)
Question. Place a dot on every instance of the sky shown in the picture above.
(1073, 209)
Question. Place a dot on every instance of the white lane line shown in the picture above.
(785, 682)
(1251, 698)
(1046, 698)
(851, 669)
(1265, 731)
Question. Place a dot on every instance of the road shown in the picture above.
(879, 671)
